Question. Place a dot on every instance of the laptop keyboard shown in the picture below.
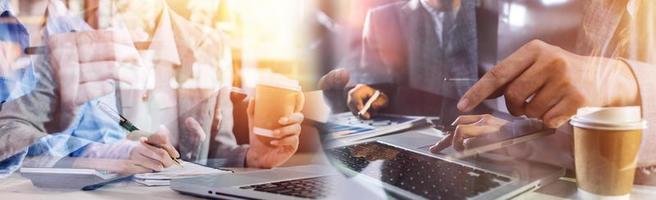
(311, 188)
(422, 175)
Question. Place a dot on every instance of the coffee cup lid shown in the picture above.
(277, 80)
(609, 118)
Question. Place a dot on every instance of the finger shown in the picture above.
(463, 132)
(366, 115)
(467, 119)
(118, 166)
(544, 100)
(109, 45)
(285, 131)
(327, 81)
(341, 77)
(444, 143)
(151, 150)
(250, 111)
(324, 83)
(93, 90)
(251, 108)
(286, 141)
(63, 57)
(105, 70)
(528, 83)
(294, 118)
(300, 102)
(355, 105)
(494, 121)
(93, 52)
(195, 129)
(162, 155)
(379, 103)
(560, 114)
(131, 167)
(63, 42)
(458, 141)
(112, 36)
(148, 159)
(356, 97)
(335, 79)
(475, 130)
(161, 139)
(494, 80)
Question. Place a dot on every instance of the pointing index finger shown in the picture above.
(502, 74)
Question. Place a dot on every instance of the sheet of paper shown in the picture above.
(315, 107)
(151, 183)
(163, 177)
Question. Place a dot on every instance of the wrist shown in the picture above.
(120, 150)
(251, 159)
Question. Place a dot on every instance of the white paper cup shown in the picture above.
(606, 144)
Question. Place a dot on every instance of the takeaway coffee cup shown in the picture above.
(275, 97)
(606, 143)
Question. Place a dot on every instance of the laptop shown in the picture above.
(397, 166)
(403, 163)
(297, 182)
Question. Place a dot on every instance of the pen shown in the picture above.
(127, 125)
(460, 79)
(43, 49)
(369, 102)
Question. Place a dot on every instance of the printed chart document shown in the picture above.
(345, 128)
(164, 177)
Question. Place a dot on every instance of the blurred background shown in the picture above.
(261, 35)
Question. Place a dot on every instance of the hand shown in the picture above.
(546, 82)
(155, 151)
(83, 64)
(335, 79)
(359, 95)
(9, 53)
(279, 150)
(130, 157)
(468, 126)
(192, 138)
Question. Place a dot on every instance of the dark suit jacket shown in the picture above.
(402, 57)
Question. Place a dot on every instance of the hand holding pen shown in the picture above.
(158, 143)
(363, 100)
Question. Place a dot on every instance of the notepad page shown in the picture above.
(175, 171)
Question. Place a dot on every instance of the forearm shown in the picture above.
(119, 150)
(16, 137)
(23, 120)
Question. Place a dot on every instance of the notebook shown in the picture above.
(164, 177)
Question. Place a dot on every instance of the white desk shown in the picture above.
(17, 187)
(565, 188)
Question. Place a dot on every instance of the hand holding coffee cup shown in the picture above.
(606, 144)
(275, 121)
